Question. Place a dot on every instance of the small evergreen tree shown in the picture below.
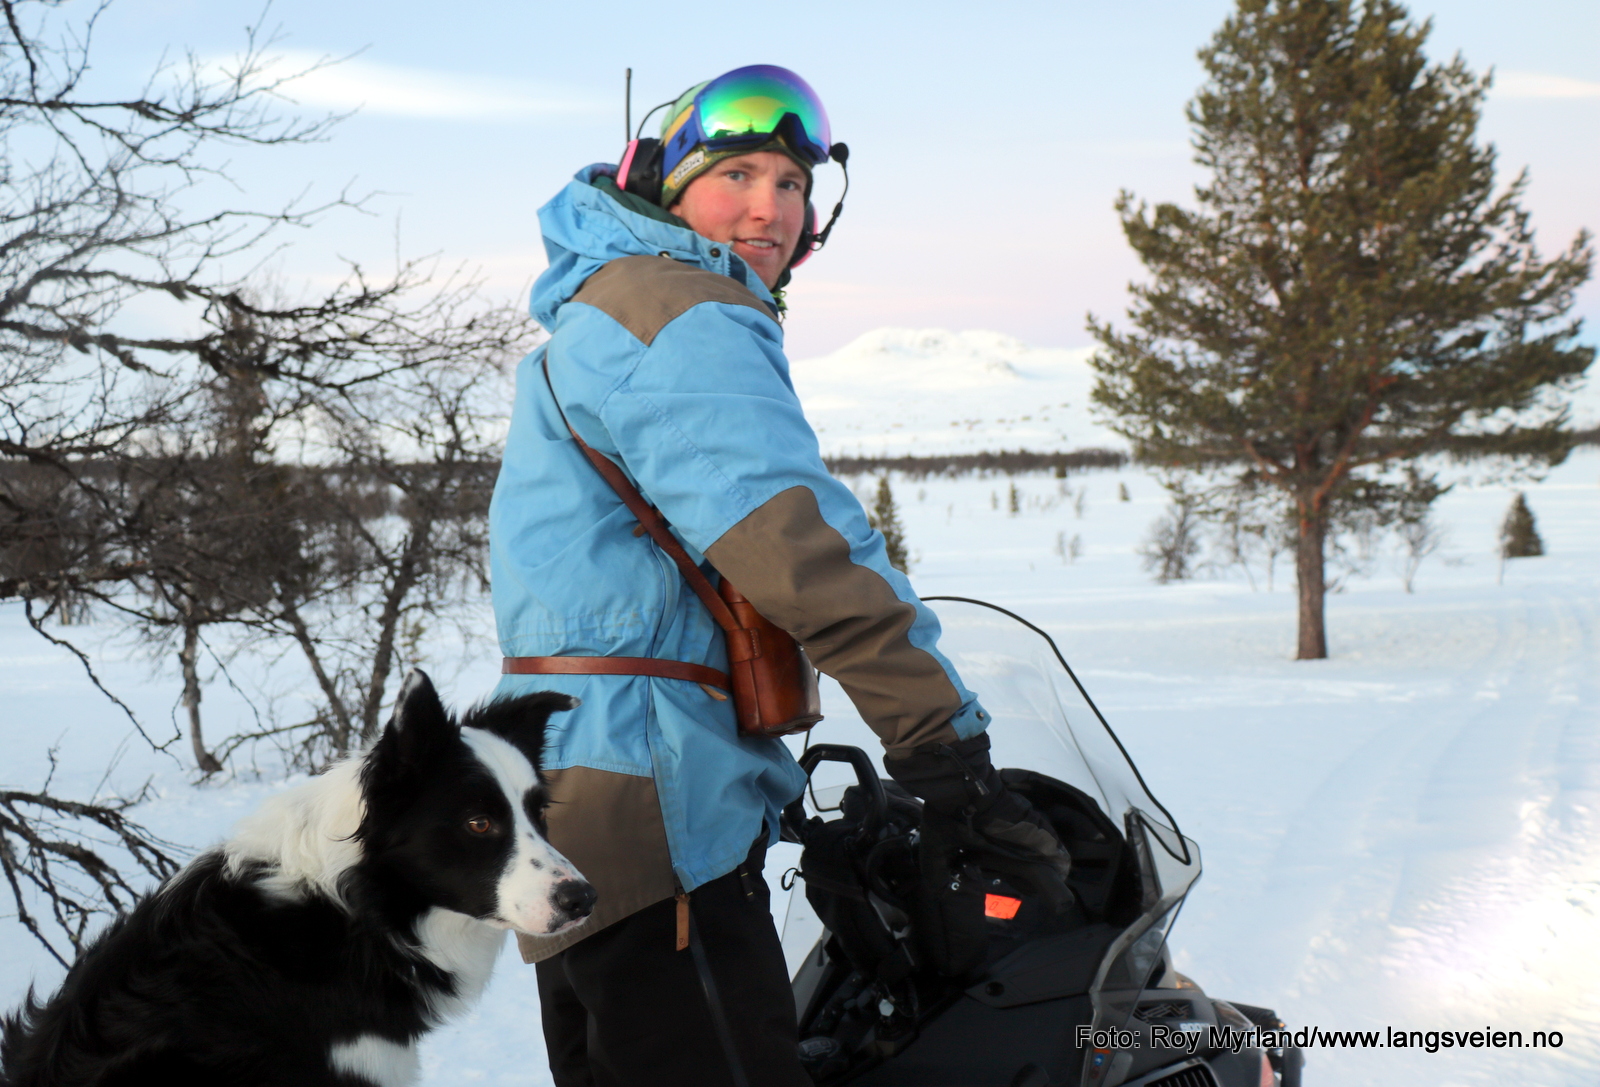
(1353, 292)
(1519, 538)
(886, 519)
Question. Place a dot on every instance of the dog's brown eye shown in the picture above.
(480, 824)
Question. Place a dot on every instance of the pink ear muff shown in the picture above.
(627, 164)
(808, 237)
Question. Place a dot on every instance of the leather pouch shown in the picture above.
(775, 687)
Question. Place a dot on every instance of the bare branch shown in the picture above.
(54, 850)
(37, 623)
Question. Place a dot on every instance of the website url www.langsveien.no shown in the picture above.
(1186, 1037)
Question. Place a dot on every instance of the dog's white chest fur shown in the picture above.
(378, 1060)
(466, 949)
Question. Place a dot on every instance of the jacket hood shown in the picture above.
(586, 226)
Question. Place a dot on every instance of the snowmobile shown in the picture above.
(919, 963)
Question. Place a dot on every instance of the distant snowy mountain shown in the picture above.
(900, 391)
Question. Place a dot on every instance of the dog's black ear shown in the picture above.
(418, 732)
(520, 720)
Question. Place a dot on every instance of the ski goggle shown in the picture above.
(748, 106)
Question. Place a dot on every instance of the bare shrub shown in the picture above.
(1173, 542)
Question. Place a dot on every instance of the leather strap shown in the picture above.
(742, 645)
(615, 666)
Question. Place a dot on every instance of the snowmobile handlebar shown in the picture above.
(877, 804)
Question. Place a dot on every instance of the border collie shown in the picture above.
(341, 922)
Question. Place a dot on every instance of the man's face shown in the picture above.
(754, 203)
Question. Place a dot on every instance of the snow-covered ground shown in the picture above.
(1406, 835)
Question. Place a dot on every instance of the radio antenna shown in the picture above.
(627, 109)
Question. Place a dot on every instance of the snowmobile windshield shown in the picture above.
(1043, 718)
(1044, 721)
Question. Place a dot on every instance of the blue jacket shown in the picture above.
(667, 356)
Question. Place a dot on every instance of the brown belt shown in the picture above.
(615, 666)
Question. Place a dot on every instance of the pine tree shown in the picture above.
(886, 519)
(1519, 538)
(1353, 292)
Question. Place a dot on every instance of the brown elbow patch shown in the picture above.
(644, 294)
(609, 826)
(796, 569)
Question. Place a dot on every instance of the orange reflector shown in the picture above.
(1000, 907)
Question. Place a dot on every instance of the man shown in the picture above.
(666, 355)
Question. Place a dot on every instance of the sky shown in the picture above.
(988, 141)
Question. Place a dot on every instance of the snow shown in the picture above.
(920, 392)
(899, 391)
(1405, 835)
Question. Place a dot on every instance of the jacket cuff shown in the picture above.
(971, 721)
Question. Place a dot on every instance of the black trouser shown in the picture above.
(624, 1008)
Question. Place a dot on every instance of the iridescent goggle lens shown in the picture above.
(748, 105)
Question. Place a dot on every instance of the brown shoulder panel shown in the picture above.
(796, 569)
(643, 294)
(609, 826)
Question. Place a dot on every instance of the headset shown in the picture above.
(639, 173)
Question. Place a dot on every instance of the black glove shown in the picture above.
(958, 782)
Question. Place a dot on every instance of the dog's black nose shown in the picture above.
(574, 897)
